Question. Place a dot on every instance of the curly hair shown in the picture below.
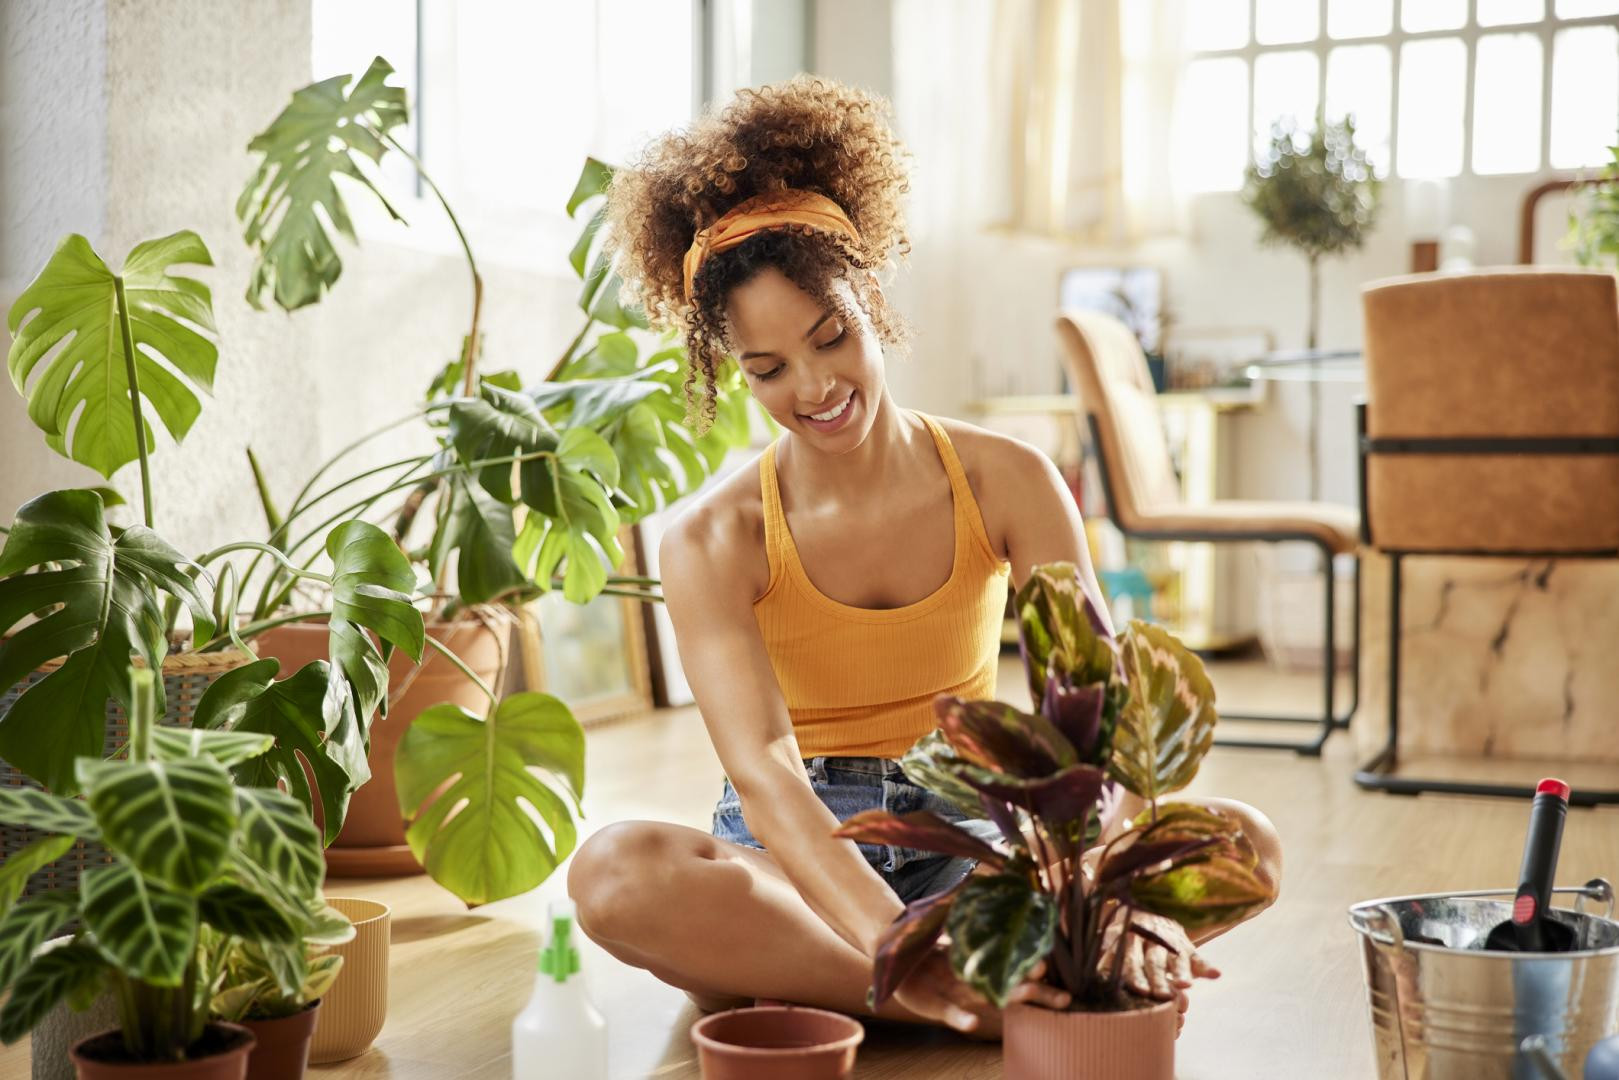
(809, 134)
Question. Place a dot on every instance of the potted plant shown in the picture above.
(1320, 198)
(1135, 713)
(274, 990)
(521, 485)
(193, 854)
(1593, 220)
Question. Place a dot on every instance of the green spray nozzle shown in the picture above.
(559, 958)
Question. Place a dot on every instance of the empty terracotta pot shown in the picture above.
(354, 1009)
(282, 1052)
(783, 1042)
(224, 1048)
(1044, 1044)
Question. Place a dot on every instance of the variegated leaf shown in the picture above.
(1000, 927)
(27, 925)
(1167, 724)
(147, 930)
(17, 868)
(57, 974)
(226, 747)
(906, 942)
(172, 819)
(48, 813)
(278, 834)
(929, 762)
(241, 912)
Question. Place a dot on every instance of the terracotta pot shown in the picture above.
(282, 1052)
(225, 1046)
(1044, 1044)
(354, 1009)
(372, 843)
(783, 1042)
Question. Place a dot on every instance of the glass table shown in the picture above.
(1313, 366)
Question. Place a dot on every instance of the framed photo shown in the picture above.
(592, 656)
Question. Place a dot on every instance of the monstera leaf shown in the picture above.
(501, 423)
(371, 586)
(104, 588)
(313, 141)
(474, 835)
(1001, 927)
(573, 518)
(477, 528)
(1167, 725)
(75, 300)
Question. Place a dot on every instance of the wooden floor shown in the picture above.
(1290, 1003)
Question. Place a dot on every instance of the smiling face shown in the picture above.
(816, 371)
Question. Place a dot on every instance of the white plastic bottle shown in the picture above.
(559, 1035)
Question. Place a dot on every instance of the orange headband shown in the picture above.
(772, 210)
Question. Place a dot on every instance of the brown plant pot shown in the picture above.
(783, 1042)
(1045, 1044)
(282, 1052)
(372, 843)
(224, 1048)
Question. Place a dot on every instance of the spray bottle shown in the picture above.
(559, 1033)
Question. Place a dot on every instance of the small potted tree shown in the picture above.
(1136, 714)
(193, 855)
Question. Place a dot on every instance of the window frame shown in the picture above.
(1545, 28)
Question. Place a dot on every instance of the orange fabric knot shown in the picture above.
(772, 210)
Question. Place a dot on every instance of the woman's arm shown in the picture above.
(710, 601)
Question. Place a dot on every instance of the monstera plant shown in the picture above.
(194, 856)
(1134, 714)
(522, 483)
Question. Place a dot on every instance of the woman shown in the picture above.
(823, 595)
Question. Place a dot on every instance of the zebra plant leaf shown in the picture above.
(48, 813)
(277, 833)
(148, 931)
(19, 865)
(172, 819)
(60, 973)
(226, 747)
(73, 319)
(241, 912)
(26, 926)
(284, 207)
(490, 848)
(1167, 724)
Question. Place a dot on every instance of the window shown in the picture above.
(1437, 87)
(508, 99)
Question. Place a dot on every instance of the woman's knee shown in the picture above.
(622, 873)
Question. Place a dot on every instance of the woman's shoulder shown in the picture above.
(991, 458)
(721, 532)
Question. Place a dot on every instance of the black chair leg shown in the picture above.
(1328, 720)
(1378, 773)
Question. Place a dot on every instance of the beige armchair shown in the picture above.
(1109, 372)
(1491, 427)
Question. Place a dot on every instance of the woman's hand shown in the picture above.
(1152, 971)
(932, 990)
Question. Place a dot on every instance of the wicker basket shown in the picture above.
(185, 677)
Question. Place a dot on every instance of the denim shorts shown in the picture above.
(849, 785)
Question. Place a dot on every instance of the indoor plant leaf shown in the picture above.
(26, 926)
(75, 300)
(484, 537)
(1065, 797)
(1059, 628)
(907, 940)
(276, 832)
(1001, 927)
(930, 762)
(52, 976)
(998, 736)
(226, 747)
(499, 423)
(171, 819)
(241, 912)
(1167, 724)
(47, 812)
(1204, 892)
(371, 586)
(490, 848)
(149, 931)
(311, 142)
(250, 699)
(920, 829)
(20, 865)
(106, 611)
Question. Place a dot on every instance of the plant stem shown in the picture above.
(134, 396)
(142, 706)
(567, 354)
(262, 625)
(449, 655)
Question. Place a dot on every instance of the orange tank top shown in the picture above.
(860, 682)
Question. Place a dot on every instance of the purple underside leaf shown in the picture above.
(1064, 797)
(997, 736)
(1076, 711)
(920, 829)
(907, 941)
(1119, 868)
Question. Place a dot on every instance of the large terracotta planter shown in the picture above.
(282, 1052)
(1044, 1044)
(372, 843)
(225, 1046)
(783, 1042)
(356, 1006)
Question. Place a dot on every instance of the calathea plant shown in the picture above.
(1136, 714)
(193, 855)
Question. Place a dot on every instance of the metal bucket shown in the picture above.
(1445, 1009)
